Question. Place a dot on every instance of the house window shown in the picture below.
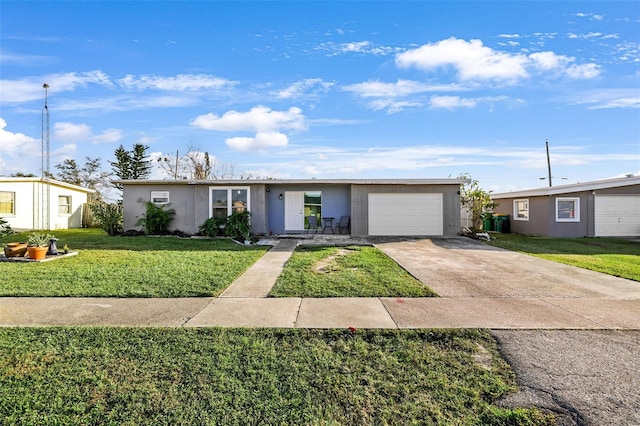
(225, 201)
(160, 197)
(64, 204)
(521, 209)
(568, 209)
(313, 204)
(7, 202)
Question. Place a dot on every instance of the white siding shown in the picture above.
(405, 214)
(617, 215)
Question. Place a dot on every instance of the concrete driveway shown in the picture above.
(462, 267)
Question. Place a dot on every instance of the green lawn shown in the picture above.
(355, 271)
(612, 256)
(129, 267)
(80, 376)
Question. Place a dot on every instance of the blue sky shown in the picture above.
(401, 89)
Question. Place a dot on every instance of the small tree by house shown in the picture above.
(476, 200)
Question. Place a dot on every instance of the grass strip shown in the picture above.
(130, 267)
(355, 271)
(613, 256)
(78, 376)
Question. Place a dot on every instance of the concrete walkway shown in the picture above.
(483, 287)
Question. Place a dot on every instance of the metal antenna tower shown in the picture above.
(46, 172)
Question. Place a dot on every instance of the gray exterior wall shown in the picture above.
(542, 216)
(335, 202)
(360, 205)
(191, 203)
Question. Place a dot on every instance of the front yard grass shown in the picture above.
(355, 271)
(152, 376)
(129, 267)
(612, 256)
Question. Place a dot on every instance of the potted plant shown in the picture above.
(38, 245)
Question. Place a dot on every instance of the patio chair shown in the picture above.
(344, 223)
(313, 224)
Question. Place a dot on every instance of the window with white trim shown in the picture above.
(568, 209)
(160, 197)
(521, 209)
(7, 202)
(64, 204)
(224, 201)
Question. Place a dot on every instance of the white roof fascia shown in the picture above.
(49, 181)
(576, 187)
(298, 182)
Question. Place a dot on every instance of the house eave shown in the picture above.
(567, 189)
(49, 181)
(298, 182)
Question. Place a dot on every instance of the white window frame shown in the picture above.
(12, 194)
(229, 190)
(516, 211)
(68, 204)
(576, 212)
(160, 197)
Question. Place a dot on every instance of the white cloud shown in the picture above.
(608, 98)
(179, 83)
(17, 143)
(628, 102)
(392, 106)
(451, 102)
(30, 88)
(585, 71)
(400, 88)
(108, 136)
(307, 87)
(259, 119)
(363, 47)
(260, 142)
(472, 60)
(475, 62)
(71, 132)
(546, 61)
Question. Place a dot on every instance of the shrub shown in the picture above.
(211, 227)
(238, 226)
(156, 219)
(109, 217)
(5, 228)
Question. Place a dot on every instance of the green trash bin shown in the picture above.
(501, 223)
(487, 222)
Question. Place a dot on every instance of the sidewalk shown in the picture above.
(244, 304)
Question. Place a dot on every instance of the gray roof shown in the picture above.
(575, 187)
(218, 182)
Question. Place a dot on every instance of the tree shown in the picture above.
(132, 164)
(476, 200)
(20, 174)
(89, 175)
(198, 165)
(140, 163)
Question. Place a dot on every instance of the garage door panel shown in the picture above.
(405, 214)
(617, 215)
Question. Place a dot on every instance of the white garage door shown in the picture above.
(617, 215)
(405, 214)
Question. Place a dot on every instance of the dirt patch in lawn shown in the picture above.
(330, 263)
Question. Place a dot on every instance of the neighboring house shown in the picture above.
(394, 207)
(33, 203)
(604, 208)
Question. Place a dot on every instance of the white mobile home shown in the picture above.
(44, 204)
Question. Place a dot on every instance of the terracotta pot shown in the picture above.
(37, 253)
(15, 249)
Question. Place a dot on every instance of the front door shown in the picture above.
(294, 210)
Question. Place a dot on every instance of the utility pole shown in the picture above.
(548, 161)
(46, 173)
